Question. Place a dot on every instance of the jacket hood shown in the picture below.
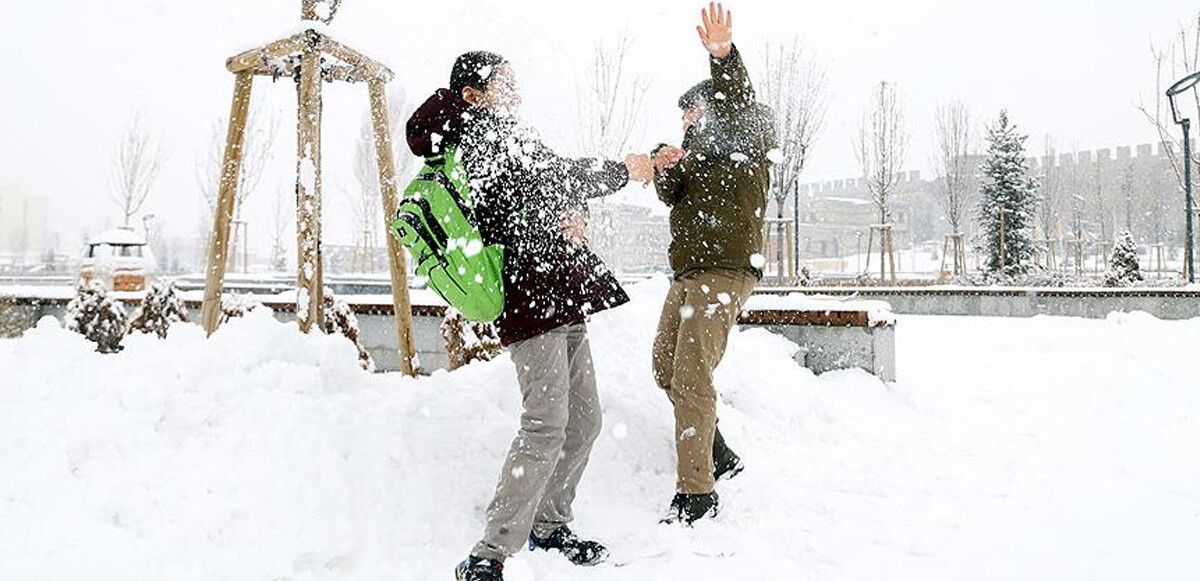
(440, 119)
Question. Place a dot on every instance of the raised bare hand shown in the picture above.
(716, 30)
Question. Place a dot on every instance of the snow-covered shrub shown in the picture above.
(11, 321)
(235, 305)
(97, 316)
(467, 342)
(340, 319)
(804, 277)
(1123, 269)
(161, 308)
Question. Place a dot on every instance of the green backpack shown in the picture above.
(435, 221)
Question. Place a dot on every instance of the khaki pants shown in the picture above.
(700, 311)
(558, 427)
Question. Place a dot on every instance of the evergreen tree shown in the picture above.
(1123, 269)
(1008, 202)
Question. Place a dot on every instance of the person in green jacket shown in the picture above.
(716, 186)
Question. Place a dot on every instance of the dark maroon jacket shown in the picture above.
(521, 189)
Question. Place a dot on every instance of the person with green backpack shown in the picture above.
(526, 204)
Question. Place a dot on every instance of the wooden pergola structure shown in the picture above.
(310, 57)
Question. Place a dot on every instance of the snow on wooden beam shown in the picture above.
(329, 73)
(261, 57)
(278, 56)
(370, 68)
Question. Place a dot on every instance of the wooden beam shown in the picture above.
(370, 68)
(260, 57)
(218, 246)
(310, 303)
(397, 257)
(329, 73)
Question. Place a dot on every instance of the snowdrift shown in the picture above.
(1045, 448)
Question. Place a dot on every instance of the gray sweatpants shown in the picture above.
(558, 427)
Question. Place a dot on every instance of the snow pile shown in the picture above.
(264, 454)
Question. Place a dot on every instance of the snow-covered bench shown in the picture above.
(831, 333)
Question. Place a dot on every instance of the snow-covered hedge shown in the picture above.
(11, 322)
(97, 316)
(467, 342)
(235, 305)
(161, 308)
(340, 320)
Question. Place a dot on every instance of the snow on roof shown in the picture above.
(855, 201)
(119, 236)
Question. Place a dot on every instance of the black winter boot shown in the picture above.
(726, 464)
(476, 569)
(578, 551)
(689, 508)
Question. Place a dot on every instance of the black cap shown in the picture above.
(474, 69)
(701, 93)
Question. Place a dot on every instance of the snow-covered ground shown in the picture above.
(1011, 449)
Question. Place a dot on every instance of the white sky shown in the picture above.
(79, 70)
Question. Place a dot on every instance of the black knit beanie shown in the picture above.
(701, 93)
(474, 69)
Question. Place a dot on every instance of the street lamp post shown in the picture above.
(1185, 84)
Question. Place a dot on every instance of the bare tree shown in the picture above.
(366, 206)
(136, 164)
(1101, 206)
(954, 166)
(1128, 176)
(610, 101)
(795, 87)
(281, 221)
(881, 146)
(1073, 183)
(1180, 57)
(257, 152)
(955, 169)
(1051, 187)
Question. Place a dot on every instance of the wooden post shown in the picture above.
(397, 257)
(231, 168)
(310, 299)
(891, 249)
(791, 252)
(961, 262)
(870, 246)
(947, 241)
(882, 253)
(308, 10)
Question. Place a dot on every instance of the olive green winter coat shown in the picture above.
(718, 191)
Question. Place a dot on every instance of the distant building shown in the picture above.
(836, 216)
(1092, 196)
(23, 236)
(631, 239)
